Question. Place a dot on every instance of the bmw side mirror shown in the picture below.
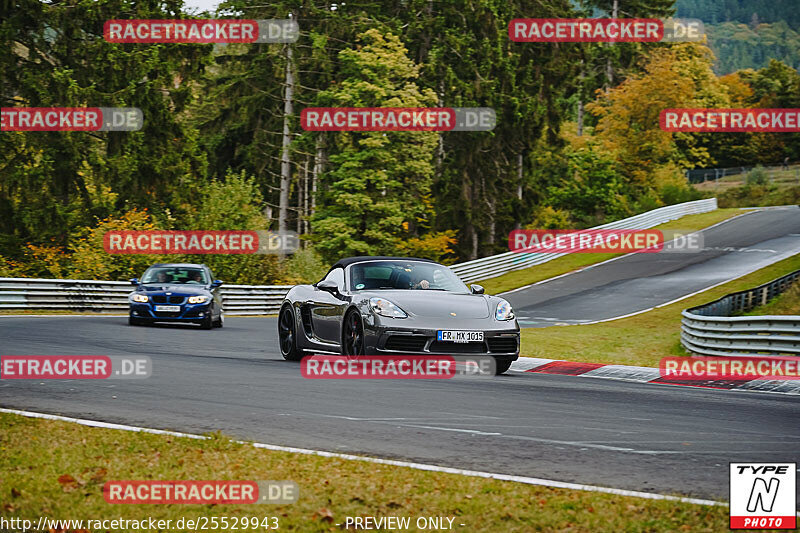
(328, 285)
(134, 281)
(216, 283)
(476, 289)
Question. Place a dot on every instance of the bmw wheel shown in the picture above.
(208, 321)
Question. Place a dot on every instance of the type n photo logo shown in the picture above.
(763, 495)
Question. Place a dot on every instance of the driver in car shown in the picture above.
(421, 283)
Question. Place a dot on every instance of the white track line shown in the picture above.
(349, 457)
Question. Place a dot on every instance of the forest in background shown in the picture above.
(577, 141)
(746, 34)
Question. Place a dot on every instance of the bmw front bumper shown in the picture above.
(187, 313)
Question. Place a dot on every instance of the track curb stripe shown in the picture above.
(417, 466)
(644, 374)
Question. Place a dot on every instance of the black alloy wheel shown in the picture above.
(353, 344)
(286, 335)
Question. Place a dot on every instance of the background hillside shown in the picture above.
(748, 33)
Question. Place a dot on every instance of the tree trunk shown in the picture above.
(609, 68)
(288, 110)
(318, 169)
(520, 159)
(300, 186)
(580, 101)
(305, 198)
(490, 211)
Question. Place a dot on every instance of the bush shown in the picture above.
(548, 217)
(757, 176)
(759, 196)
(305, 266)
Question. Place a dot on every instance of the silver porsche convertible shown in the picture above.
(396, 306)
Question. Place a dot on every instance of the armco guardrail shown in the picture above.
(111, 296)
(710, 330)
(497, 265)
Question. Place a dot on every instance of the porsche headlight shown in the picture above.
(140, 298)
(504, 311)
(386, 308)
(197, 299)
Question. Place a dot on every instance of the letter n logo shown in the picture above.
(763, 494)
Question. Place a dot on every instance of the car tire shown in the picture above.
(207, 322)
(502, 366)
(134, 321)
(353, 341)
(287, 334)
(220, 321)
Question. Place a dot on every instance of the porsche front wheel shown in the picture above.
(287, 335)
(353, 335)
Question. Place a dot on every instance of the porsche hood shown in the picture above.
(437, 303)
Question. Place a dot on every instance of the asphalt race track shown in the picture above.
(640, 281)
(648, 437)
(658, 438)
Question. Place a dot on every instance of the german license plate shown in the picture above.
(459, 336)
(168, 308)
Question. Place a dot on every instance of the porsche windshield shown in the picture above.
(410, 275)
(175, 275)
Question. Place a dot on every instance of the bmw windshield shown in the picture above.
(191, 276)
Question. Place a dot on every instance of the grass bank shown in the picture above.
(58, 469)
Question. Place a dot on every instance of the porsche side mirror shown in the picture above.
(328, 285)
(476, 289)
(134, 281)
(216, 283)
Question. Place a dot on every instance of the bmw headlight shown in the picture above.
(384, 307)
(504, 311)
(140, 298)
(197, 299)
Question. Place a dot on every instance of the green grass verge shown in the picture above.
(640, 340)
(787, 303)
(571, 262)
(36, 453)
(775, 177)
